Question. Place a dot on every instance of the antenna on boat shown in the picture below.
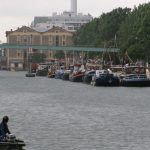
(115, 41)
(116, 56)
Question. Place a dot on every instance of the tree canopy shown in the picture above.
(127, 29)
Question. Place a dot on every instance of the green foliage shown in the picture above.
(86, 34)
(101, 32)
(37, 57)
(59, 54)
(134, 34)
(129, 29)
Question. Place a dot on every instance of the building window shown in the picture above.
(64, 36)
(57, 40)
(18, 54)
(25, 40)
(70, 28)
(64, 43)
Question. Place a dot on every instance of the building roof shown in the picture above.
(26, 29)
(22, 29)
(57, 28)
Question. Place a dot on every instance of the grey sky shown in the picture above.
(15, 13)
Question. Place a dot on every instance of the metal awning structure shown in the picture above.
(57, 48)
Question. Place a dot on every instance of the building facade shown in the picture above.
(17, 59)
(68, 20)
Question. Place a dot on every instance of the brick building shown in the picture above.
(17, 58)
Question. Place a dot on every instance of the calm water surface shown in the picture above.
(52, 114)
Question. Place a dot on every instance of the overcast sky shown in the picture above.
(15, 13)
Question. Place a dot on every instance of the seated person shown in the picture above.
(4, 128)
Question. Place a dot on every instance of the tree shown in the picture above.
(37, 57)
(59, 55)
(134, 34)
(101, 32)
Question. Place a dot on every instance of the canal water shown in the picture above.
(51, 114)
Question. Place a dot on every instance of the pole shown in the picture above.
(82, 57)
(73, 57)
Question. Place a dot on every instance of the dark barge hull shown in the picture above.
(42, 73)
(65, 76)
(12, 145)
(87, 79)
(30, 75)
(106, 82)
(145, 83)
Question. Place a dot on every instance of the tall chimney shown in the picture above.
(74, 6)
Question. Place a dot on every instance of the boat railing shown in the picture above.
(136, 76)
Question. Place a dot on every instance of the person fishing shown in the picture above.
(4, 128)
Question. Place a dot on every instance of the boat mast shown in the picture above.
(73, 58)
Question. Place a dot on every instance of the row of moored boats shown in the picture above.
(129, 75)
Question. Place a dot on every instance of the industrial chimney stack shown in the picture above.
(74, 6)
